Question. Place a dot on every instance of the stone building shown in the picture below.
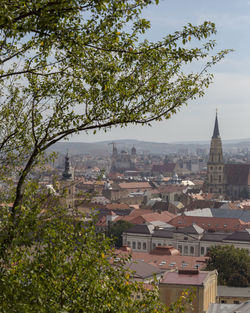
(192, 240)
(123, 161)
(215, 165)
(203, 283)
(230, 181)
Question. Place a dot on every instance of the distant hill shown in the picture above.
(104, 147)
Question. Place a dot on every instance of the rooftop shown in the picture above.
(195, 278)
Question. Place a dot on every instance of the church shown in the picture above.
(227, 181)
(123, 161)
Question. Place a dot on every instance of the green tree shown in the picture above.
(231, 263)
(116, 230)
(79, 65)
(68, 66)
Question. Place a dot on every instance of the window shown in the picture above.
(211, 167)
(154, 245)
(219, 167)
(185, 238)
(185, 249)
(159, 244)
(223, 301)
(191, 250)
(144, 246)
(129, 243)
(139, 245)
(236, 302)
(133, 244)
(180, 249)
(219, 178)
(211, 178)
(202, 250)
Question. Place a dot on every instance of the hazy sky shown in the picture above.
(230, 91)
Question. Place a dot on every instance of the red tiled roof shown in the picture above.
(169, 167)
(115, 206)
(142, 216)
(135, 185)
(166, 262)
(209, 223)
(185, 279)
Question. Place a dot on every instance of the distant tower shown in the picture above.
(215, 165)
(133, 158)
(115, 153)
(133, 151)
(66, 174)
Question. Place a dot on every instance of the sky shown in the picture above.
(230, 91)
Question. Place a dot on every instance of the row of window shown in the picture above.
(211, 178)
(140, 246)
(186, 249)
(219, 168)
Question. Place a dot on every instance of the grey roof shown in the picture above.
(221, 212)
(193, 229)
(141, 229)
(229, 308)
(143, 270)
(242, 235)
(163, 233)
(216, 133)
(225, 291)
(227, 213)
(206, 212)
(216, 236)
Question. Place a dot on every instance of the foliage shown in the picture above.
(65, 266)
(116, 230)
(231, 263)
(68, 66)
(80, 65)
(238, 280)
(69, 270)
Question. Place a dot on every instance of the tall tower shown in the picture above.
(215, 165)
(67, 174)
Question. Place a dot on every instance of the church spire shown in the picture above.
(66, 174)
(216, 133)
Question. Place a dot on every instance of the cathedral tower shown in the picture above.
(215, 165)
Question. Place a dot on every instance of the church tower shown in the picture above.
(67, 174)
(215, 165)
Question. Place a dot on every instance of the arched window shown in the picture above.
(138, 245)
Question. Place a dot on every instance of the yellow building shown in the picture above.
(202, 283)
(233, 295)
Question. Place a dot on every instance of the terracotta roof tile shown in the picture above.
(184, 279)
(209, 223)
(135, 185)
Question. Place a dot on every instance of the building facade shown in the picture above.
(215, 166)
(228, 181)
